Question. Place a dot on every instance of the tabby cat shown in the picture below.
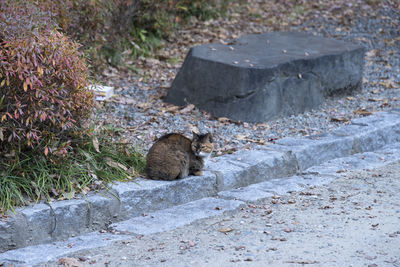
(174, 156)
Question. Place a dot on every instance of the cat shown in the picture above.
(174, 156)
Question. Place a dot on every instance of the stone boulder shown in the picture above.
(263, 76)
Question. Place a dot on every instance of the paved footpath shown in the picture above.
(353, 220)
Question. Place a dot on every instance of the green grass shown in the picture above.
(31, 176)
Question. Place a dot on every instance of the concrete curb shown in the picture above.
(178, 216)
(41, 223)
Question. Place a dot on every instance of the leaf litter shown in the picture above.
(138, 106)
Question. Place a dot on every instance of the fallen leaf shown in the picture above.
(82, 258)
(69, 195)
(223, 119)
(144, 106)
(303, 262)
(173, 109)
(70, 262)
(115, 164)
(371, 53)
(306, 193)
(242, 137)
(390, 84)
(86, 189)
(152, 61)
(362, 111)
(124, 100)
(339, 119)
(225, 230)
(187, 109)
(375, 99)
(10, 155)
(264, 125)
(95, 142)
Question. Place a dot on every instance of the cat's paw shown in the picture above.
(198, 173)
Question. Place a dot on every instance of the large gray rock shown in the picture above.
(262, 76)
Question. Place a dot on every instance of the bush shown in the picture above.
(161, 17)
(43, 81)
(88, 22)
(108, 27)
(47, 152)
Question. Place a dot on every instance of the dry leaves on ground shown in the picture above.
(225, 230)
(70, 262)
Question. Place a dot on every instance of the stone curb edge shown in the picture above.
(42, 223)
(184, 214)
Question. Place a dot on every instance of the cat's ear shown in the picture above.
(195, 135)
(210, 138)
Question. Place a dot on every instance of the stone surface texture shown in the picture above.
(177, 216)
(263, 76)
(150, 195)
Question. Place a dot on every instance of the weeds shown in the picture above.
(97, 160)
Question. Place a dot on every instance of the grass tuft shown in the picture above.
(98, 160)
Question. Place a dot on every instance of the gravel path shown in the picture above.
(353, 221)
(141, 115)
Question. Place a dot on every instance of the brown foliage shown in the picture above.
(43, 81)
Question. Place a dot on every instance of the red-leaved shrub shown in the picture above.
(43, 82)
